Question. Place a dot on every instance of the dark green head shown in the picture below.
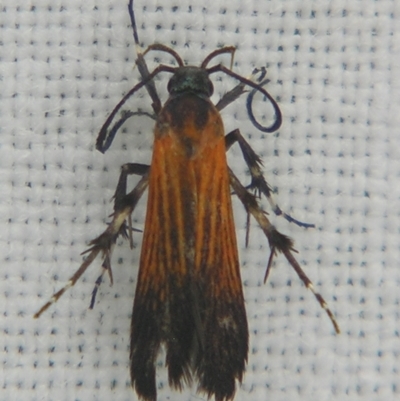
(190, 79)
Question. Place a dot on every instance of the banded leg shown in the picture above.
(122, 201)
(104, 243)
(277, 242)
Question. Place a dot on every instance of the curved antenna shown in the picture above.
(215, 53)
(166, 49)
(126, 115)
(249, 105)
(102, 138)
(257, 87)
(263, 74)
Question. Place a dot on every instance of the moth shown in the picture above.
(189, 295)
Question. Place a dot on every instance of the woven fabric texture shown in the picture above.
(334, 69)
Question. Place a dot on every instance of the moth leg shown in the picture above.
(122, 201)
(239, 89)
(120, 198)
(104, 243)
(258, 182)
(277, 241)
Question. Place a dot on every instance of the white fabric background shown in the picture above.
(333, 65)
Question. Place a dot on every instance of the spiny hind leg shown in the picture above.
(104, 243)
(277, 241)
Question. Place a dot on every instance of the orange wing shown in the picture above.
(189, 292)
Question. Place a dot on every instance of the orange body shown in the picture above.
(189, 293)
